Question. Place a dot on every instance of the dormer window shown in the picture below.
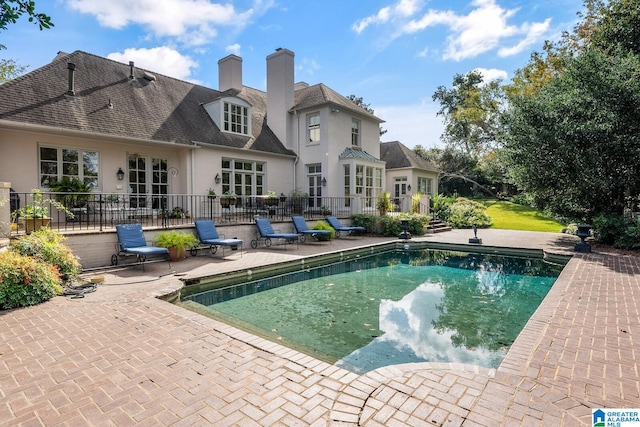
(235, 118)
(231, 115)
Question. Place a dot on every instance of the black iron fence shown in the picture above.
(68, 212)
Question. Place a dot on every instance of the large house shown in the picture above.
(129, 131)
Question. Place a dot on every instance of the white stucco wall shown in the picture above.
(19, 161)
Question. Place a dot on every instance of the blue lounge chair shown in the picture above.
(303, 230)
(131, 242)
(266, 233)
(208, 236)
(333, 222)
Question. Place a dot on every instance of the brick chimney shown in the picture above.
(280, 94)
(230, 73)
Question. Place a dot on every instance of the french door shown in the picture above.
(315, 185)
(148, 181)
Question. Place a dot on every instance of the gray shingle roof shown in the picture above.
(319, 94)
(397, 156)
(166, 109)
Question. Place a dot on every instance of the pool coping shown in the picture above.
(356, 402)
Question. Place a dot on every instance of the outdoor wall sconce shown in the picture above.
(217, 179)
(409, 187)
(324, 182)
(120, 174)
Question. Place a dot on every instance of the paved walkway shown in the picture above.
(122, 357)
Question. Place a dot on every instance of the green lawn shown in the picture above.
(510, 216)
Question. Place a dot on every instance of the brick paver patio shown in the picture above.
(122, 357)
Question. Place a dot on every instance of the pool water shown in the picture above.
(396, 307)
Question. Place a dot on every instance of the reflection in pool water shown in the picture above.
(394, 308)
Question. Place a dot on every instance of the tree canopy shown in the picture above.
(471, 111)
(572, 138)
(12, 10)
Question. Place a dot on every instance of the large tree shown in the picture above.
(471, 111)
(575, 144)
(572, 137)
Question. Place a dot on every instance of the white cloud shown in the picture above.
(490, 74)
(535, 32)
(412, 124)
(191, 21)
(233, 48)
(163, 60)
(307, 67)
(402, 9)
(486, 27)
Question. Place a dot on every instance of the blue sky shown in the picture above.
(392, 53)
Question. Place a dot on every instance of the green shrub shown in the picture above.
(415, 203)
(617, 230)
(390, 225)
(321, 225)
(46, 245)
(363, 220)
(523, 199)
(465, 213)
(418, 223)
(26, 280)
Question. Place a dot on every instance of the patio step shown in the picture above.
(437, 226)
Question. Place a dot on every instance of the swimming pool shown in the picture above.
(393, 307)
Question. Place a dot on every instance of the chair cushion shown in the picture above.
(147, 250)
(206, 230)
(130, 236)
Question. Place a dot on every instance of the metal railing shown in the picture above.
(103, 211)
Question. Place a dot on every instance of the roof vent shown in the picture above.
(131, 70)
(149, 76)
(72, 68)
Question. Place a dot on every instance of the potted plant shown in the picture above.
(383, 203)
(321, 225)
(176, 242)
(271, 199)
(298, 200)
(74, 192)
(228, 198)
(211, 193)
(35, 215)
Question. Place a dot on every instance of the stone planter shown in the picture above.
(33, 224)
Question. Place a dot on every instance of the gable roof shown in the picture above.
(319, 94)
(149, 107)
(398, 155)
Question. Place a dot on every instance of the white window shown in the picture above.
(313, 127)
(236, 118)
(355, 133)
(347, 185)
(425, 185)
(243, 177)
(56, 163)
